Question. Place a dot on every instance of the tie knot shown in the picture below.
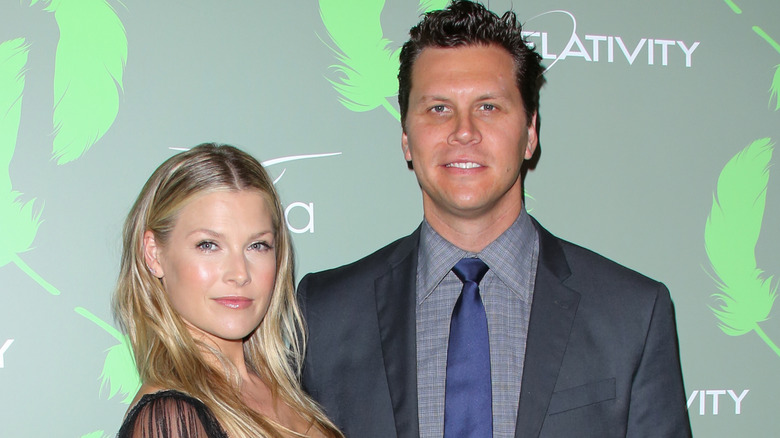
(470, 269)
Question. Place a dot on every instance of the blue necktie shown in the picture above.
(468, 407)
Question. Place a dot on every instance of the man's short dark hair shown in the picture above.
(465, 23)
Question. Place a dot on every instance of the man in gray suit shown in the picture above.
(482, 323)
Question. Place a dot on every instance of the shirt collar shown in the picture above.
(510, 257)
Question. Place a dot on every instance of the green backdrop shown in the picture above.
(659, 120)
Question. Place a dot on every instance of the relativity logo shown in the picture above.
(557, 39)
(717, 401)
(3, 349)
(298, 215)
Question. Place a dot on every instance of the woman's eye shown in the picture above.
(207, 246)
(260, 246)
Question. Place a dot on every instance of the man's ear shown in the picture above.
(405, 147)
(533, 139)
(151, 255)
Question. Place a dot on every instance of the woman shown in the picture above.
(206, 295)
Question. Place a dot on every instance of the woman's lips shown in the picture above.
(234, 302)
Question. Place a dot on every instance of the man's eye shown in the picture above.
(487, 107)
(438, 108)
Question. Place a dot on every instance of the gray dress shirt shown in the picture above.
(506, 292)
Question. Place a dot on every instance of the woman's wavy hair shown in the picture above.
(166, 354)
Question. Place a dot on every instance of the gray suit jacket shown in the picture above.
(601, 359)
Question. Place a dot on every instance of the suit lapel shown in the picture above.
(552, 315)
(396, 308)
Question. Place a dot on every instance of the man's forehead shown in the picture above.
(464, 67)
(432, 56)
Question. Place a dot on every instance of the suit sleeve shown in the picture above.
(658, 406)
(302, 303)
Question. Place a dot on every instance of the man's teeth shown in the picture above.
(464, 165)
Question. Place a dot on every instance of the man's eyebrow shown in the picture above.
(491, 96)
(433, 98)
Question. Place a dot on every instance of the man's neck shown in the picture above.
(472, 234)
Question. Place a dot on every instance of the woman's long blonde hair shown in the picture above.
(166, 354)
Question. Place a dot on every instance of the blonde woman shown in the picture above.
(206, 295)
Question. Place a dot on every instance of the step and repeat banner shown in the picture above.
(659, 125)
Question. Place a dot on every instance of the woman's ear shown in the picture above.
(151, 255)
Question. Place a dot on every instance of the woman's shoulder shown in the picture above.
(144, 390)
(166, 397)
(170, 413)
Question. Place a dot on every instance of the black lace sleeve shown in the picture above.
(170, 414)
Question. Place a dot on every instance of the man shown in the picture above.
(575, 345)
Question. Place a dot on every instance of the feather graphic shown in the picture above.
(88, 69)
(733, 6)
(13, 59)
(432, 5)
(368, 68)
(18, 222)
(766, 37)
(731, 234)
(95, 434)
(775, 89)
(119, 371)
(18, 227)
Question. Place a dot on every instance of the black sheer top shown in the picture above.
(170, 414)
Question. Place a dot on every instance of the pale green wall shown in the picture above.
(631, 156)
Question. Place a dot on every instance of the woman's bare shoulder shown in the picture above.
(142, 391)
